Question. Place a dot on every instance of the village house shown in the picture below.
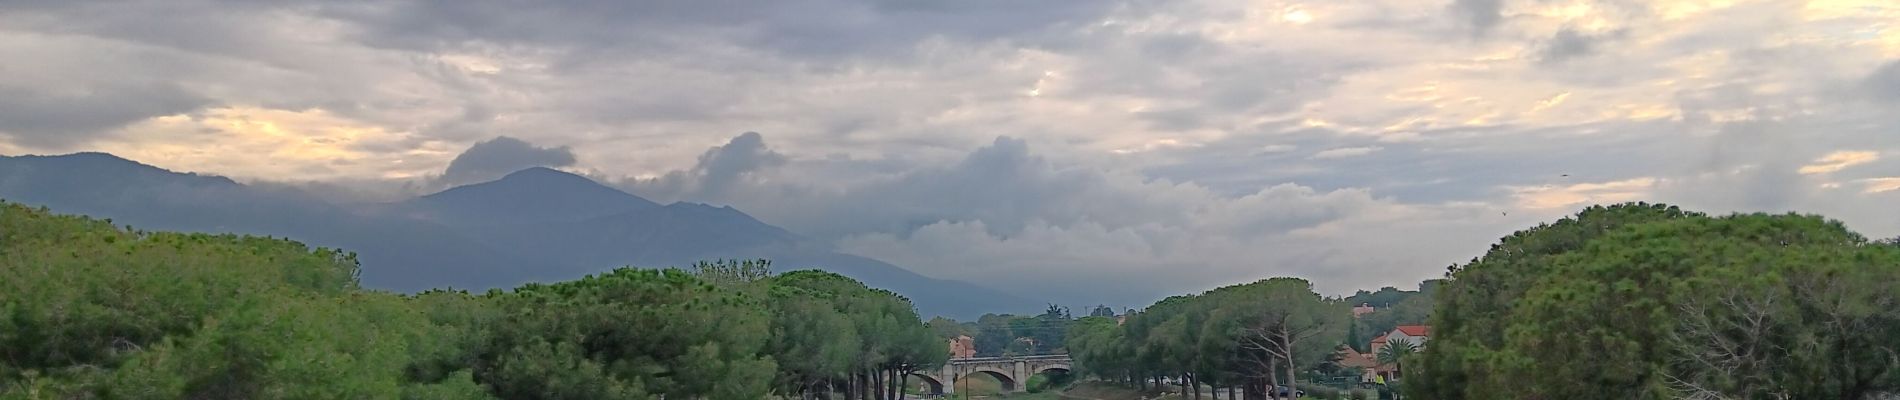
(1417, 335)
(963, 346)
(1362, 309)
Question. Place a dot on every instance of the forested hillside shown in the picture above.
(91, 310)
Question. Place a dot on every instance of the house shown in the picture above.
(963, 346)
(1362, 309)
(1417, 335)
(1367, 365)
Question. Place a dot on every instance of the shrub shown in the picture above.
(1318, 391)
(1364, 394)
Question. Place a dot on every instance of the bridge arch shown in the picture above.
(935, 386)
(1007, 379)
(1050, 367)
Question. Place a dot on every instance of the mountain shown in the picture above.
(537, 224)
(534, 194)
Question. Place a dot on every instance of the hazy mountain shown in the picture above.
(533, 225)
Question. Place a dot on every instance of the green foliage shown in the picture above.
(1252, 334)
(1668, 304)
(949, 329)
(89, 310)
(629, 332)
(1364, 394)
(1414, 308)
(1320, 392)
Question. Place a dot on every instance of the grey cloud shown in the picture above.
(1566, 44)
(70, 115)
(1479, 15)
(1749, 166)
(983, 216)
(808, 27)
(716, 172)
(722, 167)
(1884, 83)
(499, 156)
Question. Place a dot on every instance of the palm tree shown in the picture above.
(1396, 351)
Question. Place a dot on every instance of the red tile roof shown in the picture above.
(1380, 339)
(1416, 330)
(1353, 358)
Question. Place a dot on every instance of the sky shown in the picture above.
(1082, 151)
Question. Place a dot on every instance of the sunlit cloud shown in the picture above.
(1297, 16)
(1882, 185)
(1570, 196)
(1345, 152)
(1839, 160)
(251, 142)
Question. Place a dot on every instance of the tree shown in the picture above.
(1668, 304)
(629, 333)
(993, 334)
(1102, 311)
(949, 329)
(1481, 298)
(1396, 351)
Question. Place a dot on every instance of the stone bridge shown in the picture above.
(1014, 372)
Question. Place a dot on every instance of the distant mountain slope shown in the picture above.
(533, 225)
(529, 195)
(397, 254)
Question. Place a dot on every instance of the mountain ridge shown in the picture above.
(533, 225)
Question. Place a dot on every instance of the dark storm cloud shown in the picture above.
(499, 156)
(67, 115)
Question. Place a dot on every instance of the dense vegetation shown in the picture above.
(1643, 301)
(1393, 307)
(1011, 335)
(90, 310)
(1251, 337)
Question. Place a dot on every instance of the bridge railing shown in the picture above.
(1010, 358)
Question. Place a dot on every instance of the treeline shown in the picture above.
(997, 335)
(1644, 301)
(1250, 337)
(90, 310)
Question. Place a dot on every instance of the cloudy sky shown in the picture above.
(1111, 151)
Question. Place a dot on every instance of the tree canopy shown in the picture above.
(1252, 336)
(1668, 304)
(91, 310)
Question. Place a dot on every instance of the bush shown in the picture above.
(1364, 394)
(1318, 391)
